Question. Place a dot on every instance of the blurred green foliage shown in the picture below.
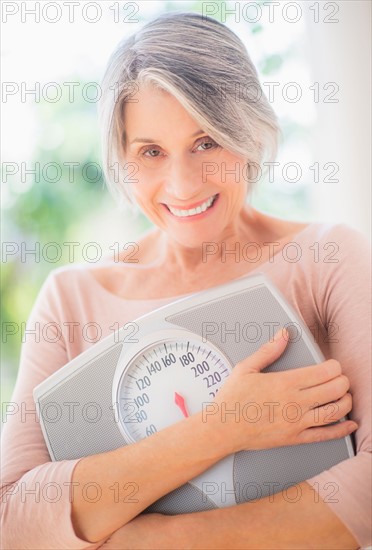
(41, 211)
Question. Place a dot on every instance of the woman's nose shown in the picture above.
(183, 181)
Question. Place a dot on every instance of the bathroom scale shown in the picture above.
(169, 364)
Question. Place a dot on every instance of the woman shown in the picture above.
(183, 139)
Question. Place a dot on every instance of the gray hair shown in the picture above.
(206, 67)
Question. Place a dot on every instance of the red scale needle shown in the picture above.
(180, 402)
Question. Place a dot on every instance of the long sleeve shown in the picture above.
(36, 492)
(343, 299)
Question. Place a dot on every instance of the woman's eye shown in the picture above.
(209, 143)
(150, 151)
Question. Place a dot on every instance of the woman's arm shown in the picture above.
(35, 492)
(296, 519)
(343, 300)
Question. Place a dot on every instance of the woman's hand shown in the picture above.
(255, 410)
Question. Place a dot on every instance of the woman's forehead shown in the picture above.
(154, 111)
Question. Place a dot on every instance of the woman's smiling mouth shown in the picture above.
(195, 211)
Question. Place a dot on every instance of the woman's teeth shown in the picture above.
(202, 208)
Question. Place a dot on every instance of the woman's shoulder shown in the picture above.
(113, 272)
(335, 255)
(346, 239)
(63, 283)
(339, 233)
(324, 252)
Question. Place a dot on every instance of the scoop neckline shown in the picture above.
(179, 296)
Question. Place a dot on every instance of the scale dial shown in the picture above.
(165, 382)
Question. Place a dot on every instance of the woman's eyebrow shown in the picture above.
(149, 140)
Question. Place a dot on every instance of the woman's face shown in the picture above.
(185, 183)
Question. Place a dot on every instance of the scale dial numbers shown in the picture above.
(166, 382)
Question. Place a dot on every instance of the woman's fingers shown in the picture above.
(326, 433)
(331, 412)
(313, 375)
(329, 391)
(266, 354)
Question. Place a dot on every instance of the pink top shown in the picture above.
(328, 284)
